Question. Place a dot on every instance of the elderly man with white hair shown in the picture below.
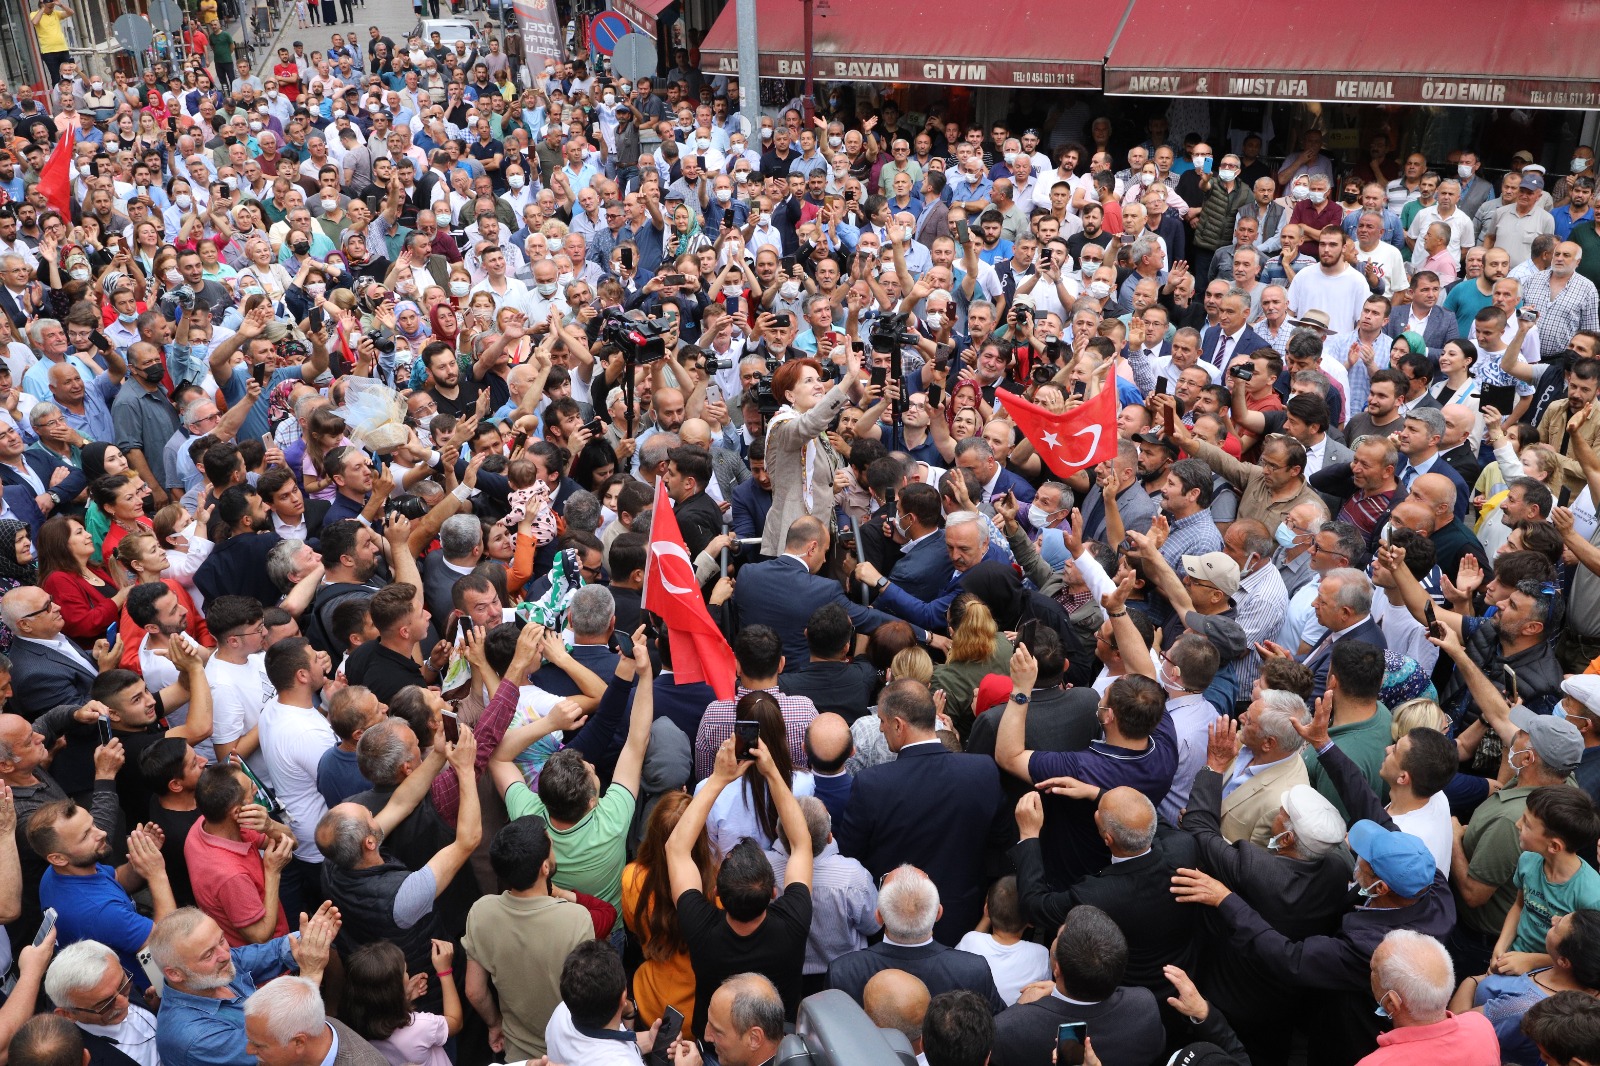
(286, 1025)
(1259, 759)
(89, 987)
(1412, 980)
(908, 907)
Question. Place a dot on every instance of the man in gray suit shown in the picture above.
(285, 1025)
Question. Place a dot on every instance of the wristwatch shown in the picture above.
(882, 584)
(1020, 698)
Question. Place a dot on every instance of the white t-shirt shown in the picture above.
(237, 695)
(293, 740)
(733, 817)
(1340, 295)
(1431, 823)
(1013, 965)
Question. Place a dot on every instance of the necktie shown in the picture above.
(1222, 351)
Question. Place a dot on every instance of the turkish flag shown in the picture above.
(1073, 440)
(699, 650)
(55, 177)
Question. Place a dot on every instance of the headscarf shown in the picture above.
(1415, 345)
(1404, 679)
(278, 401)
(10, 569)
(423, 326)
(93, 458)
(1000, 589)
(448, 336)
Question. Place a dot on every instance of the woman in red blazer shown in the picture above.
(88, 596)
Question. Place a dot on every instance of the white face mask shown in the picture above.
(547, 289)
(724, 195)
(330, 204)
(1300, 192)
(766, 134)
(338, 112)
(1464, 172)
(564, 280)
(80, 274)
(1227, 173)
(255, 127)
(1038, 517)
(460, 288)
(1317, 196)
(764, 219)
(608, 99)
(316, 288)
(1579, 165)
(835, 142)
(1099, 289)
(1275, 842)
(515, 181)
(174, 277)
(272, 94)
(703, 143)
(183, 203)
(935, 320)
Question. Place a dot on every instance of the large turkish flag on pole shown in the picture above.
(55, 177)
(699, 650)
(1073, 440)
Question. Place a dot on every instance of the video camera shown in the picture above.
(832, 1030)
(889, 333)
(641, 340)
(766, 400)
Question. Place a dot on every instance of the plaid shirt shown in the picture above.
(717, 725)
(1194, 535)
(1360, 379)
(1262, 601)
(491, 728)
(1578, 307)
(1278, 340)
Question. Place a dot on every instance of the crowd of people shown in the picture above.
(333, 740)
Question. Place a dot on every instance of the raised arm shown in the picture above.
(1010, 743)
(631, 762)
(683, 873)
(790, 817)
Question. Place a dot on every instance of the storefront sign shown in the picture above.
(920, 70)
(1352, 88)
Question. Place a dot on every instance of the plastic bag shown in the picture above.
(375, 415)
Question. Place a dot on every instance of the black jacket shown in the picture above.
(941, 968)
(700, 520)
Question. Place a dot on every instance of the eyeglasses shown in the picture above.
(1317, 549)
(107, 1006)
(51, 606)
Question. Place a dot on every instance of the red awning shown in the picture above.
(1006, 43)
(642, 13)
(1472, 52)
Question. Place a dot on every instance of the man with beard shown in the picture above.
(350, 554)
(202, 1010)
(90, 898)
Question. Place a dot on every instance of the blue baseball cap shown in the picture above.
(1400, 860)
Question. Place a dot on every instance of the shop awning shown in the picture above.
(1473, 52)
(642, 13)
(1005, 43)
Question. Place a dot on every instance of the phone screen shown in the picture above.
(105, 730)
(451, 725)
(935, 394)
(745, 737)
(880, 376)
(49, 923)
(1069, 1043)
(671, 1029)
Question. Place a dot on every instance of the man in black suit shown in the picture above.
(923, 565)
(831, 679)
(977, 455)
(19, 466)
(752, 500)
(1060, 717)
(787, 591)
(1135, 889)
(47, 669)
(688, 473)
(1090, 959)
(931, 808)
(908, 907)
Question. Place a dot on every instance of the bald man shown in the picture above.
(894, 999)
(1135, 889)
(728, 469)
(1452, 539)
(829, 746)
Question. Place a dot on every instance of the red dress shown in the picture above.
(88, 610)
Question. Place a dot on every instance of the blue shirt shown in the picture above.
(1565, 223)
(97, 907)
(339, 777)
(199, 1031)
(233, 390)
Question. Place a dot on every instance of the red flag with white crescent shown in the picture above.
(699, 650)
(1072, 440)
(55, 177)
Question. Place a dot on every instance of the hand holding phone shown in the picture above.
(1069, 1043)
(746, 735)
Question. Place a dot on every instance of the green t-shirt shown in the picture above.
(1409, 212)
(1365, 744)
(1543, 902)
(1493, 851)
(222, 46)
(589, 856)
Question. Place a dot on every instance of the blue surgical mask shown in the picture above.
(1284, 536)
(1382, 1011)
(1275, 842)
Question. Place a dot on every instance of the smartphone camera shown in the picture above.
(745, 737)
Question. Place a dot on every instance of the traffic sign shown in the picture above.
(133, 32)
(633, 56)
(605, 30)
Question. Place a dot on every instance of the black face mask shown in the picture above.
(300, 247)
(153, 373)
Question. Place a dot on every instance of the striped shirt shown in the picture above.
(844, 904)
(717, 725)
(1363, 510)
(1262, 601)
(1194, 535)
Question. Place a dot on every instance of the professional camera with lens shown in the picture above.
(713, 363)
(641, 340)
(889, 333)
(382, 339)
(1042, 374)
(765, 398)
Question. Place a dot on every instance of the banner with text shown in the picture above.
(915, 70)
(541, 35)
(1351, 87)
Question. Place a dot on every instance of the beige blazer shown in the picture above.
(1248, 811)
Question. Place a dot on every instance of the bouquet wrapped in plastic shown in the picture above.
(375, 415)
